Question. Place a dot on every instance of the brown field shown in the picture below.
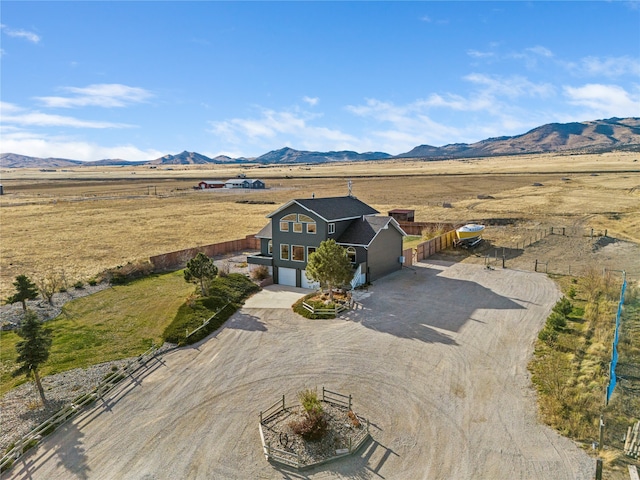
(83, 220)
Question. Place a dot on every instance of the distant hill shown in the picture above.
(289, 155)
(184, 158)
(13, 160)
(579, 137)
(589, 137)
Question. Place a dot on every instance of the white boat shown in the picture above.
(469, 231)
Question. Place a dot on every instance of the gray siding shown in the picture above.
(303, 239)
(384, 252)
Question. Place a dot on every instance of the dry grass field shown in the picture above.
(80, 221)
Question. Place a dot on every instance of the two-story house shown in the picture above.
(296, 229)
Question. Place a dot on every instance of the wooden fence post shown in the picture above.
(536, 266)
(283, 402)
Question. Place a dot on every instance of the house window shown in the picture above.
(310, 250)
(297, 227)
(351, 253)
(270, 247)
(332, 228)
(311, 223)
(297, 253)
(284, 252)
(284, 221)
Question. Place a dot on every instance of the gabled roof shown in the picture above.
(212, 182)
(242, 180)
(332, 208)
(265, 232)
(362, 232)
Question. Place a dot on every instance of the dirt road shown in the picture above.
(435, 358)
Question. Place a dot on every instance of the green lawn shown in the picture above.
(116, 323)
(411, 241)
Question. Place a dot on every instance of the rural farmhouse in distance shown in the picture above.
(233, 183)
(296, 229)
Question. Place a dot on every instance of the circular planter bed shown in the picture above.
(344, 433)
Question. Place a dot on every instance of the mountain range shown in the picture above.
(577, 137)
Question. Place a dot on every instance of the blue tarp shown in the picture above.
(614, 353)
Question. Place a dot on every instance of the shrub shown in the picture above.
(300, 310)
(309, 401)
(260, 272)
(312, 426)
(93, 282)
(548, 335)
(557, 321)
(235, 287)
(123, 274)
(231, 290)
(563, 307)
(78, 285)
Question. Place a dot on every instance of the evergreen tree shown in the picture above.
(25, 290)
(330, 266)
(200, 269)
(33, 351)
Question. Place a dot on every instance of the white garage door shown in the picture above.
(287, 276)
(306, 283)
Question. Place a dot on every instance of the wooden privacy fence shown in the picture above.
(418, 228)
(35, 436)
(428, 248)
(178, 259)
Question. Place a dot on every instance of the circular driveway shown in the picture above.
(435, 357)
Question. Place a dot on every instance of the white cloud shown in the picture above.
(610, 67)
(602, 101)
(12, 114)
(313, 101)
(512, 87)
(274, 129)
(106, 95)
(26, 143)
(540, 51)
(19, 33)
(479, 54)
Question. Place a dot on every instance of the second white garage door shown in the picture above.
(306, 283)
(287, 276)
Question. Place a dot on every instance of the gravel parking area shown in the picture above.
(434, 356)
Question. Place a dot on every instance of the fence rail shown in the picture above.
(325, 311)
(206, 322)
(35, 436)
(336, 398)
(293, 458)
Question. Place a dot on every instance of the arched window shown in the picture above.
(351, 253)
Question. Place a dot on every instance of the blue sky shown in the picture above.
(138, 80)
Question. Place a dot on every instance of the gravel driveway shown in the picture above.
(435, 357)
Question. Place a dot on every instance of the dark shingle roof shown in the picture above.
(336, 208)
(363, 231)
